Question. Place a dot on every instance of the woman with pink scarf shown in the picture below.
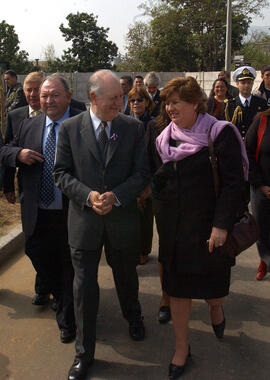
(195, 222)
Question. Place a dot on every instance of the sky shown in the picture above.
(37, 23)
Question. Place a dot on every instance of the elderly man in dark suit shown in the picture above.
(101, 166)
(43, 208)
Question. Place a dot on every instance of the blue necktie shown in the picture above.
(47, 181)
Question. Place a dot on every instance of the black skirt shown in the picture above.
(197, 286)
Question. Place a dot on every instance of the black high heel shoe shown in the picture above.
(175, 371)
(219, 329)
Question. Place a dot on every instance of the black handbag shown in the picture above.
(245, 231)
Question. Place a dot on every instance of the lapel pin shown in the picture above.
(113, 137)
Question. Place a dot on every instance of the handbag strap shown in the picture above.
(260, 134)
(213, 161)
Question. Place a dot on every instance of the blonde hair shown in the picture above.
(35, 76)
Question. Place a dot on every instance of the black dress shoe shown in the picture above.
(40, 299)
(137, 329)
(219, 329)
(67, 336)
(175, 371)
(78, 370)
(54, 304)
(164, 314)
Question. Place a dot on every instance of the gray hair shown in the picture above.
(59, 77)
(151, 79)
(96, 81)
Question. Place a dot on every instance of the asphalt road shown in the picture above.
(30, 348)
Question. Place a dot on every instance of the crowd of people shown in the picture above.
(95, 179)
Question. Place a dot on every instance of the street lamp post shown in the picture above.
(228, 36)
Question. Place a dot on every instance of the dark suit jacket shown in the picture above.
(157, 101)
(77, 104)
(30, 136)
(79, 169)
(13, 122)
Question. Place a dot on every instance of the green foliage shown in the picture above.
(186, 35)
(90, 48)
(257, 50)
(10, 51)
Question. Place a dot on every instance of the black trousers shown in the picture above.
(146, 227)
(41, 287)
(86, 292)
(49, 252)
(260, 205)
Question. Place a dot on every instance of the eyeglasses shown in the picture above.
(140, 100)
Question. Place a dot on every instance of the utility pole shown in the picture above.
(228, 58)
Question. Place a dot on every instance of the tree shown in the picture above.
(90, 48)
(189, 35)
(10, 51)
(257, 50)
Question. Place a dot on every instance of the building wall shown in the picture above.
(78, 81)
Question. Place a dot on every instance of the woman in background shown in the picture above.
(141, 107)
(219, 93)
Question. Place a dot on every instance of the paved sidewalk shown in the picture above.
(29, 339)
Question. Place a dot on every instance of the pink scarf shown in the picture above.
(194, 139)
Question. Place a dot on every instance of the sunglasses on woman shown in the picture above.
(138, 100)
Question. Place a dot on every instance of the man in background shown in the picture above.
(138, 81)
(264, 89)
(242, 109)
(151, 82)
(15, 96)
(126, 83)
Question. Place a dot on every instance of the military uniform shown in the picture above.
(236, 112)
(241, 116)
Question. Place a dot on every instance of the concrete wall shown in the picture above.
(78, 81)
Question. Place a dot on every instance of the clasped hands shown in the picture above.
(102, 203)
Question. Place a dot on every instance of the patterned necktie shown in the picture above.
(47, 182)
(246, 103)
(34, 113)
(103, 139)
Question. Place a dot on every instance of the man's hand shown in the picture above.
(266, 191)
(217, 238)
(108, 199)
(100, 205)
(11, 198)
(142, 197)
(146, 193)
(29, 157)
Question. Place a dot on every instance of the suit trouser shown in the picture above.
(49, 252)
(41, 286)
(146, 224)
(86, 292)
(261, 211)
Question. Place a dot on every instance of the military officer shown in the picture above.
(242, 109)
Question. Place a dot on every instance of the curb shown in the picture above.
(11, 242)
